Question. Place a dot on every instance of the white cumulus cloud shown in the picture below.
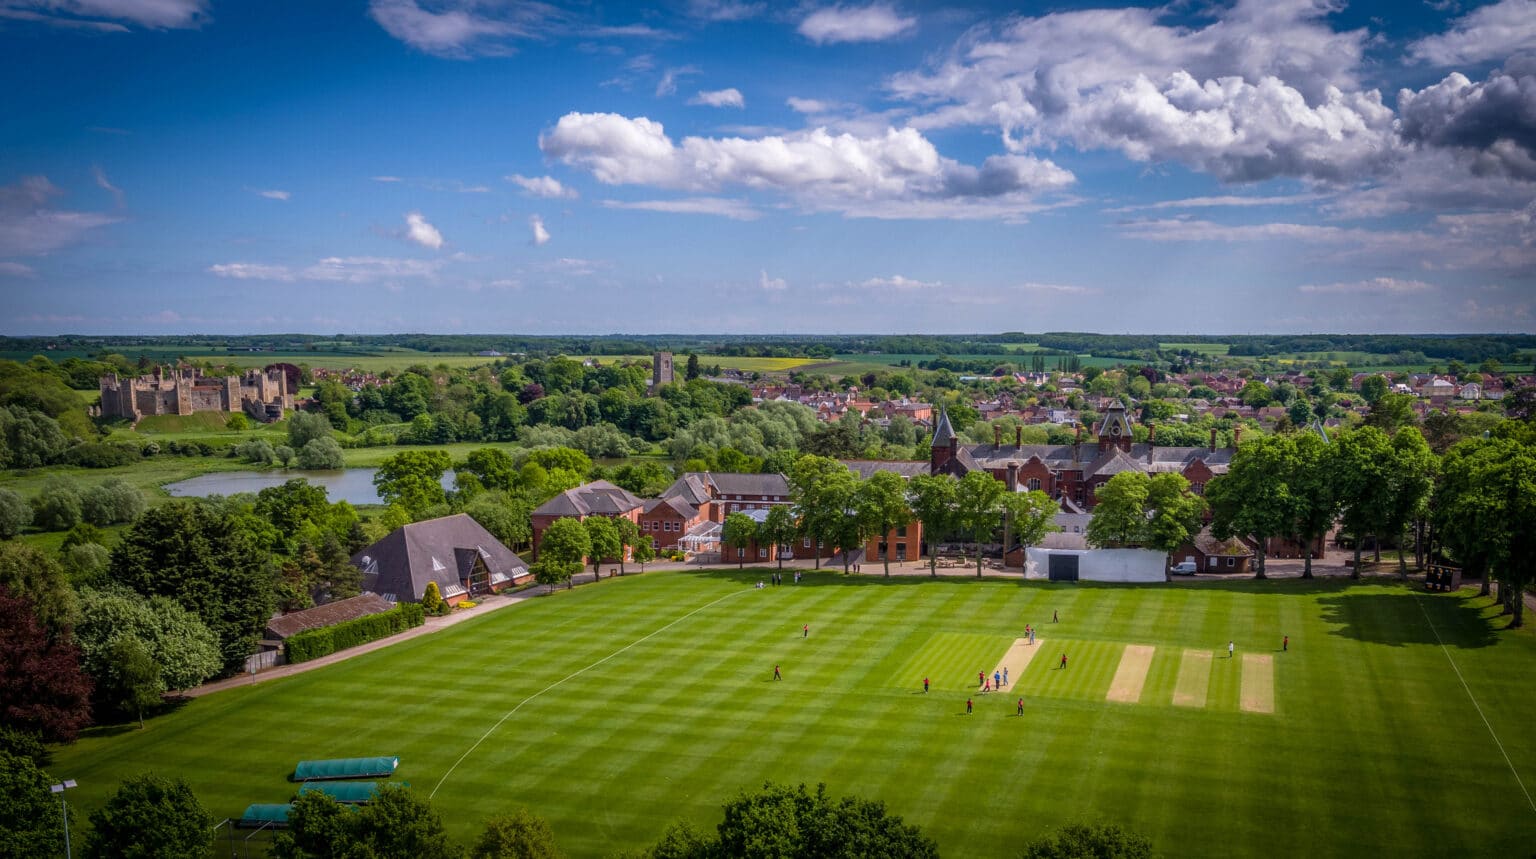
(1491, 32)
(251, 271)
(873, 23)
(460, 29)
(1388, 285)
(897, 173)
(418, 230)
(729, 97)
(540, 234)
(898, 282)
(771, 284)
(542, 186)
(274, 194)
(736, 210)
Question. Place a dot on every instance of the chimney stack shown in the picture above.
(1151, 434)
(1018, 436)
(1213, 439)
(997, 436)
(1013, 477)
(1237, 436)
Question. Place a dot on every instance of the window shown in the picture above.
(740, 553)
(806, 543)
(1034, 484)
(1231, 562)
(654, 545)
(1197, 488)
(735, 507)
(901, 551)
(902, 531)
(762, 551)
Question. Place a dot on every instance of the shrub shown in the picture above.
(258, 451)
(15, 514)
(315, 643)
(98, 455)
(321, 453)
(432, 600)
(57, 507)
(112, 502)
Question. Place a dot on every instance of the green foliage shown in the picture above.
(112, 501)
(1135, 509)
(133, 681)
(1254, 497)
(15, 514)
(315, 643)
(1030, 516)
(321, 453)
(413, 479)
(27, 572)
(42, 688)
(237, 422)
(629, 537)
(564, 545)
(184, 650)
(24, 744)
(505, 516)
(397, 824)
(737, 532)
(1361, 464)
(882, 503)
(519, 834)
(30, 819)
(432, 600)
(284, 455)
(210, 562)
(603, 538)
(29, 439)
(57, 507)
(150, 817)
(781, 821)
(978, 508)
(99, 455)
(778, 529)
(305, 427)
(933, 503)
(258, 451)
(1373, 388)
(1485, 512)
(1085, 841)
(1390, 412)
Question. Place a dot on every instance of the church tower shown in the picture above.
(1115, 429)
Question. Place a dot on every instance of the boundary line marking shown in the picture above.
(1486, 724)
(508, 714)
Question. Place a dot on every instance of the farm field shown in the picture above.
(619, 707)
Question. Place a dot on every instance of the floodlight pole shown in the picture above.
(64, 807)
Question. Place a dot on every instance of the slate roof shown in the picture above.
(942, 431)
(1087, 458)
(598, 498)
(331, 613)
(691, 487)
(399, 566)
(736, 483)
(676, 503)
(865, 468)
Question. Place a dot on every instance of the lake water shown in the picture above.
(348, 484)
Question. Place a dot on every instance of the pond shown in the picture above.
(354, 485)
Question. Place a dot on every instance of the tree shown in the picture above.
(644, 553)
(29, 816)
(150, 816)
(505, 516)
(1135, 509)
(520, 834)
(978, 502)
(1027, 518)
(1314, 502)
(1255, 394)
(566, 543)
(42, 688)
(305, 427)
(397, 824)
(777, 530)
(133, 681)
(882, 501)
(691, 368)
(1412, 477)
(1485, 513)
(114, 500)
(1373, 388)
(31, 574)
(494, 468)
(1085, 841)
(432, 600)
(184, 650)
(210, 562)
(629, 538)
(258, 451)
(1360, 463)
(1390, 412)
(1253, 498)
(29, 438)
(15, 514)
(604, 542)
(779, 820)
(413, 479)
(933, 502)
(738, 532)
(284, 455)
(321, 453)
(808, 482)
(57, 506)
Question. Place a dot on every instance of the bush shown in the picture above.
(98, 455)
(112, 502)
(57, 507)
(432, 600)
(15, 514)
(257, 450)
(321, 453)
(315, 643)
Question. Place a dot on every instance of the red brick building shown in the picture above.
(598, 498)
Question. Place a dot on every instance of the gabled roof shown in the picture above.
(692, 488)
(675, 503)
(739, 483)
(399, 566)
(598, 498)
(866, 468)
(331, 613)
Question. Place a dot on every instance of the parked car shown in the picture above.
(1183, 568)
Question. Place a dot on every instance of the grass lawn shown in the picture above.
(619, 707)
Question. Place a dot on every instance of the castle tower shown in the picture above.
(661, 369)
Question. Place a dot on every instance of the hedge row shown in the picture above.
(315, 643)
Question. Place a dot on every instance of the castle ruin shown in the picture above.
(262, 394)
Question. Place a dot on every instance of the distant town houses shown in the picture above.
(352, 379)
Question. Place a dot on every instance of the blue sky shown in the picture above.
(172, 166)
